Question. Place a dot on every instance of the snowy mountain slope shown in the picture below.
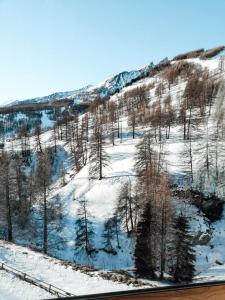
(101, 195)
(52, 97)
(119, 81)
(122, 159)
(178, 165)
(121, 168)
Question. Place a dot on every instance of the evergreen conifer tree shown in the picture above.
(108, 236)
(183, 266)
(143, 250)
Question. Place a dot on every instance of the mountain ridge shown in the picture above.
(105, 88)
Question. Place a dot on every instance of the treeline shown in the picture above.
(11, 123)
(201, 53)
(22, 107)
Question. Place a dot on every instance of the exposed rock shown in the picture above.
(218, 262)
(211, 206)
(202, 238)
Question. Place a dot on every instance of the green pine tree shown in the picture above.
(143, 255)
(184, 254)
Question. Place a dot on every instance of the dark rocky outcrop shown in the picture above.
(211, 206)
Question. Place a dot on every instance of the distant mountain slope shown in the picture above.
(52, 97)
(107, 88)
(117, 82)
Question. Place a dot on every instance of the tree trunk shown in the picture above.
(118, 125)
(112, 133)
(184, 120)
(207, 150)
(86, 230)
(117, 235)
(100, 160)
(191, 158)
(131, 215)
(45, 246)
(127, 226)
(9, 214)
(163, 233)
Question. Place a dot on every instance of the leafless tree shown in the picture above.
(43, 179)
(98, 158)
(84, 230)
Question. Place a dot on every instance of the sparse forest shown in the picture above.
(147, 156)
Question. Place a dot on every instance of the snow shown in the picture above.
(45, 121)
(51, 271)
(12, 288)
(102, 197)
(211, 64)
(119, 81)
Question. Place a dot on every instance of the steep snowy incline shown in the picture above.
(101, 196)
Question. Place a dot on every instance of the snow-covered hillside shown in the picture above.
(70, 184)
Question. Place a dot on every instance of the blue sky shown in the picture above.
(57, 45)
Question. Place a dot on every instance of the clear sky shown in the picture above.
(58, 45)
